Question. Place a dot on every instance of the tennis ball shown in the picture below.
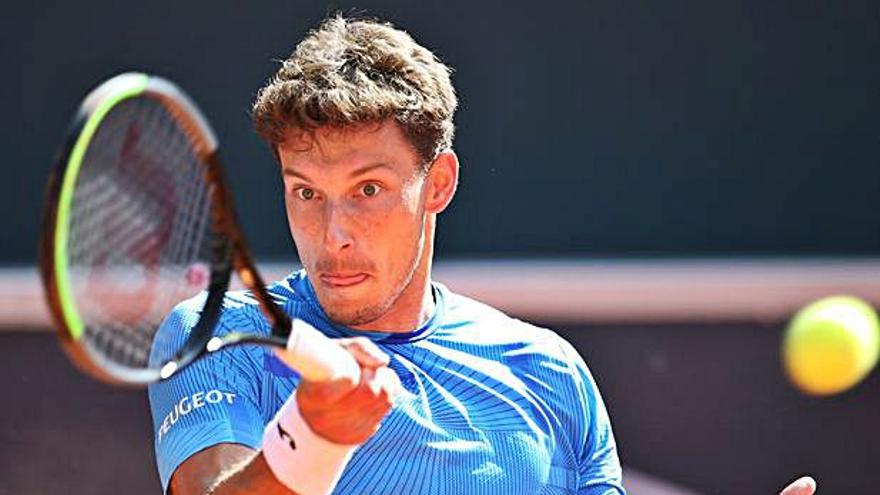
(831, 345)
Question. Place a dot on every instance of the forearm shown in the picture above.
(314, 462)
(251, 476)
(309, 464)
(226, 469)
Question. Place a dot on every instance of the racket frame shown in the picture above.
(229, 249)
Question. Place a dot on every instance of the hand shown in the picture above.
(346, 412)
(802, 486)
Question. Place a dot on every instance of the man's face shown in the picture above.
(355, 206)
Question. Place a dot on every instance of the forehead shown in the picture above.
(338, 147)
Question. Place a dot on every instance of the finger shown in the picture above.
(386, 381)
(316, 396)
(365, 352)
(359, 415)
(802, 486)
(378, 386)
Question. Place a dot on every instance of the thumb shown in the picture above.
(802, 486)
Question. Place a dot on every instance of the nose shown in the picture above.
(337, 228)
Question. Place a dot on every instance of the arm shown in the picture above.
(599, 469)
(341, 412)
(226, 469)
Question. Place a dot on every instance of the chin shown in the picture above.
(349, 309)
(360, 316)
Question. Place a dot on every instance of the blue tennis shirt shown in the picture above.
(491, 405)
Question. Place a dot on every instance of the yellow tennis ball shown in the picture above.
(831, 345)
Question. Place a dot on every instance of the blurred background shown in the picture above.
(672, 180)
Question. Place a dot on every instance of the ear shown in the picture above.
(441, 182)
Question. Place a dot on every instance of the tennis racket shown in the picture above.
(137, 219)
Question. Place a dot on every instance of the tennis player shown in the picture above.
(454, 396)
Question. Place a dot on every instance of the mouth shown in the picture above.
(339, 280)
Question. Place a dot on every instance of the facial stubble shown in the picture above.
(366, 314)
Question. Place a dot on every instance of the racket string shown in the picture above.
(140, 231)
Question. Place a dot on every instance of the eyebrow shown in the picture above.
(294, 173)
(369, 168)
(354, 173)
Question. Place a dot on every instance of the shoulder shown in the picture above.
(526, 348)
(550, 368)
(240, 311)
(286, 293)
(237, 304)
(488, 325)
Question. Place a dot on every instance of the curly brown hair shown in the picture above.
(349, 72)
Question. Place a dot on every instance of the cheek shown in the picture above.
(402, 216)
(305, 233)
(303, 244)
(400, 232)
(383, 216)
(407, 207)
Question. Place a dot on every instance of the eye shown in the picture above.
(370, 189)
(305, 194)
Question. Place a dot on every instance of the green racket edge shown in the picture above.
(108, 95)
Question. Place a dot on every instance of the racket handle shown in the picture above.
(316, 357)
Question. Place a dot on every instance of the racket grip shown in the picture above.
(316, 357)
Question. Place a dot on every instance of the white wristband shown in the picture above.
(300, 459)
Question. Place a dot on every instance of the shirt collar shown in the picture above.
(301, 284)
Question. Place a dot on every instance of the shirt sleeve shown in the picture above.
(214, 400)
(599, 469)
